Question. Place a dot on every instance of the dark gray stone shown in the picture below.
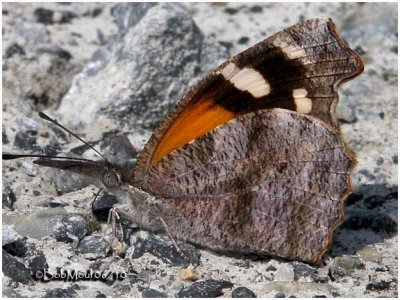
(53, 148)
(60, 293)
(14, 49)
(4, 137)
(12, 242)
(67, 182)
(379, 285)
(93, 247)
(256, 9)
(100, 295)
(15, 270)
(302, 270)
(94, 12)
(280, 295)
(71, 228)
(44, 16)
(243, 292)
(27, 125)
(166, 251)
(56, 51)
(205, 289)
(151, 293)
(120, 148)
(26, 142)
(102, 205)
(8, 197)
(35, 259)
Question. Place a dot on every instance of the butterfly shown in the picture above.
(251, 159)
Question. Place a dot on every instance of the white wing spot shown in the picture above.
(303, 104)
(246, 79)
(287, 47)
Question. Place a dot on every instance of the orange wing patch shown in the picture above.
(194, 121)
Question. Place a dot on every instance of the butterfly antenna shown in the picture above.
(47, 118)
(9, 156)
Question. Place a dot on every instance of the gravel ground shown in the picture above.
(111, 72)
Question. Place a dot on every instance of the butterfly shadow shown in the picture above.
(370, 218)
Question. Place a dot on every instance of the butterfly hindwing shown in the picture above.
(297, 69)
(251, 185)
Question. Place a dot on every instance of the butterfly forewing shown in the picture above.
(296, 69)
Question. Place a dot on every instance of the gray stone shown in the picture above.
(370, 253)
(127, 15)
(243, 292)
(205, 289)
(35, 33)
(27, 125)
(29, 168)
(345, 266)
(346, 115)
(35, 259)
(60, 293)
(280, 295)
(16, 270)
(8, 196)
(14, 49)
(36, 225)
(284, 272)
(94, 246)
(26, 142)
(9, 235)
(152, 293)
(144, 83)
(165, 250)
(102, 205)
(71, 228)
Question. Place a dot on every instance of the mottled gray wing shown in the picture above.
(272, 181)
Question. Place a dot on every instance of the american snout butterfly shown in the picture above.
(251, 159)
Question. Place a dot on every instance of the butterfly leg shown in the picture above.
(117, 245)
(180, 251)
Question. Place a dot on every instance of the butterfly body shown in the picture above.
(251, 159)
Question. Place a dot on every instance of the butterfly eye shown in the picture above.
(111, 179)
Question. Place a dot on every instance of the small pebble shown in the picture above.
(30, 168)
(187, 275)
(205, 289)
(280, 295)
(243, 292)
(8, 196)
(14, 49)
(152, 293)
